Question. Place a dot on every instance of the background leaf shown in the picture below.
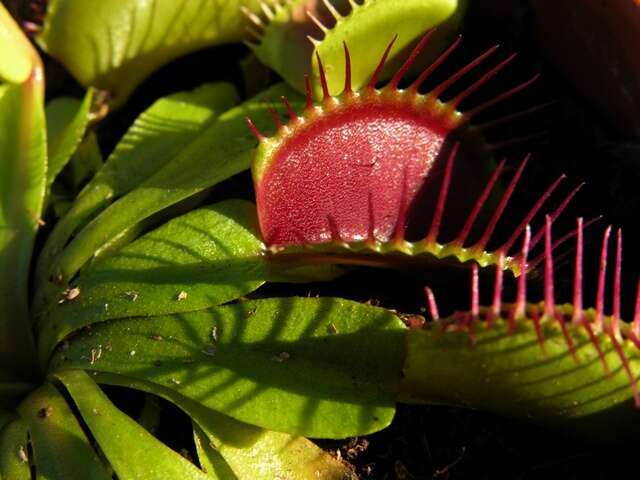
(17, 62)
(367, 29)
(115, 45)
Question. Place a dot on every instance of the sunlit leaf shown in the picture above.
(317, 367)
(367, 30)
(115, 45)
(60, 447)
(130, 449)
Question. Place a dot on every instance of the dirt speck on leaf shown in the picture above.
(45, 412)
(22, 454)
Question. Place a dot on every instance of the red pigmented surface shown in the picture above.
(342, 176)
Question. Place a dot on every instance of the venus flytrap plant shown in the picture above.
(287, 35)
(208, 157)
(132, 292)
(250, 360)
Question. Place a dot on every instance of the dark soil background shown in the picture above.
(438, 442)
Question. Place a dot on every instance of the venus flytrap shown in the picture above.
(559, 365)
(353, 178)
(140, 286)
(186, 245)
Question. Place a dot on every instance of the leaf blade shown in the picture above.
(131, 450)
(315, 367)
(209, 256)
(17, 54)
(23, 159)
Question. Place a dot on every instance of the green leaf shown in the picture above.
(14, 461)
(60, 447)
(23, 160)
(209, 256)
(234, 449)
(314, 367)
(67, 120)
(115, 45)
(18, 57)
(154, 139)
(220, 151)
(130, 449)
